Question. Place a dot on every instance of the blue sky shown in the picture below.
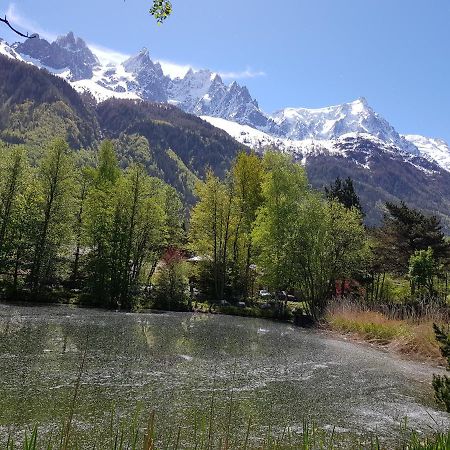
(309, 53)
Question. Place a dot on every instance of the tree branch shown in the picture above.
(161, 10)
(6, 22)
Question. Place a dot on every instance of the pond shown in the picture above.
(172, 362)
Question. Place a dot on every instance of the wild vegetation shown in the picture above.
(76, 226)
(67, 226)
(78, 221)
(202, 435)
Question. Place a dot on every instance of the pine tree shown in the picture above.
(406, 230)
(344, 192)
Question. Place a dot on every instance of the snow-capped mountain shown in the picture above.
(432, 149)
(356, 146)
(198, 92)
(67, 53)
(300, 131)
(335, 121)
(381, 170)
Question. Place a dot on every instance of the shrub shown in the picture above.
(441, 384)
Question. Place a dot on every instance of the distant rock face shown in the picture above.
(204, 93)
(67, 52)
(149, 82)
(335, 121)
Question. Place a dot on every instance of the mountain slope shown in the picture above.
(436, 150)
(37, 106)
(348, 139)
(204, 93)
(197, 144)
(381, 171)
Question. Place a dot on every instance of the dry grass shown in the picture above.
(414, 338)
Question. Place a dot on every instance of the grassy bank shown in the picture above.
(414, 337)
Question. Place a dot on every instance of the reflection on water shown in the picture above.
(171, 363)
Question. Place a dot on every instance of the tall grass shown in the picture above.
(156, 436)
(412, 335)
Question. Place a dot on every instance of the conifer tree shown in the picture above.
(344, 192)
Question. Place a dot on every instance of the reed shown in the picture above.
(156, 436)
(410, 336)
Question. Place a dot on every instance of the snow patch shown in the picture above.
(435, 150)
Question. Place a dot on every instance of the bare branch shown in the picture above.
(6, 22)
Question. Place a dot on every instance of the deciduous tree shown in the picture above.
(55, 179)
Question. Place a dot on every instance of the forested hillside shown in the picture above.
(388, 180)
(179, 148)
(37, 106)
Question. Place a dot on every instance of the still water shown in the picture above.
(172, 362)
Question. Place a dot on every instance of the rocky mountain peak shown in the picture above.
(67, 53)
(332, 122)
(149, 83)
(70, 42)
(138, 62)
(217, 79)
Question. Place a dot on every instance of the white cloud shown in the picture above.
(106, 55)
(174, 70)
(26, 25)
(247, 73)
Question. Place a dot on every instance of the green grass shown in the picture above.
(221, 435)
(369, 328)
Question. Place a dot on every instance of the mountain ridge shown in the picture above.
(342, 140)
(204, 93)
